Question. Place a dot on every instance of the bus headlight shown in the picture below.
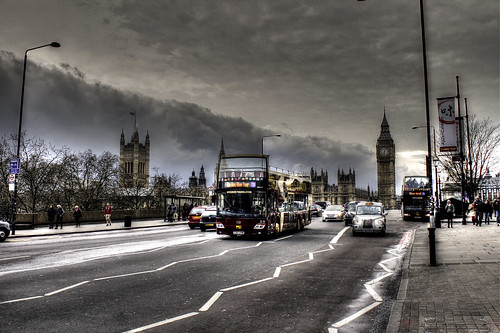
(219, 225)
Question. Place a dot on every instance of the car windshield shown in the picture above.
(334, 207)
(369, 210)
(351, 208)
(196, 211)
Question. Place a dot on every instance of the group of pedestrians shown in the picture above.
(57, 214)
(480, 210)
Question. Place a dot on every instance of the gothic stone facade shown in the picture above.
(342, 193)
(386, 171)
(134, 162)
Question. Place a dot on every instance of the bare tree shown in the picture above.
(484, 138)
(87, 179)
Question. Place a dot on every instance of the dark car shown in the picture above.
(208, 220)
(350, 212)
(316, 210)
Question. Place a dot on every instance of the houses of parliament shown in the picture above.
(135, 159)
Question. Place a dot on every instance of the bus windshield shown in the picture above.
(241, 203)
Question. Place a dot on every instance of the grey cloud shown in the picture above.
(63, 109)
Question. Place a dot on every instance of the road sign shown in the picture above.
(12, 178)
(14, 166)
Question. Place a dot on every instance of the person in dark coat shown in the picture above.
(478, 206)
(77, 214)
(488, 211)
(51, 214)
(450, 212)
(59, 216)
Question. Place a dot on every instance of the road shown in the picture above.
(173, 279)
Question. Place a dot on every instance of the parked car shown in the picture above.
(195, 216)
(316, 210)
(370, 217)
(4, 230)
(350, 212)
(333, 213)
(207, 220)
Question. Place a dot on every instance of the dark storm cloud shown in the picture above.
(62, 108)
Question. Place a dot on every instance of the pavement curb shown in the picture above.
(97, 229)
(397, 306)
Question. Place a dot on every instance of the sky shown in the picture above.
(319, 73)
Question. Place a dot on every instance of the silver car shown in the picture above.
(333, 213)
(370, 217)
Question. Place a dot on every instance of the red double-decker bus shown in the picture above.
(251, 199)
(416, 198)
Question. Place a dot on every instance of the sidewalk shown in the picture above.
(461, 293)
(69, 228)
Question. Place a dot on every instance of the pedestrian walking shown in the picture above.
(472, 213)
(488, 211)
(185, 211)
(496, 208)
(172, 210)
(59, 216)
(450, 212)
(51, 214)
(478, 205)
(77, 214)
(107, 213)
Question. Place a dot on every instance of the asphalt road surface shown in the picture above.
(173, 279)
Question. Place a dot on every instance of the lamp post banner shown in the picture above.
(447, 124)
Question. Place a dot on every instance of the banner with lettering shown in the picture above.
(447, 125)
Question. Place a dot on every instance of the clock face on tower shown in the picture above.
(384, 151)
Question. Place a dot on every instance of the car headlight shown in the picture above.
(356, 221)
(379, 221)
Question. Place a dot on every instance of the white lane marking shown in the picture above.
(21, 299)
(336, 238)
(14, 258)
(211, 301)
(216, 296)
(67, 288)
(123, 275)
(372, 292)
(163, 322)
(355, 315)
(378, 299)
(246, 284)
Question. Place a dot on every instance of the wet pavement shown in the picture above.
(460, 293)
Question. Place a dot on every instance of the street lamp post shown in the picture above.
(18, 155)
(267, 136)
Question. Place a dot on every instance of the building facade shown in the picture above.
(386, 170)
(342, 193)
(134, 162)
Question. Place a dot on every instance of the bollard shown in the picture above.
(432, 246)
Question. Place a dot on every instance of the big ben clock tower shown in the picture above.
(386, 170)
